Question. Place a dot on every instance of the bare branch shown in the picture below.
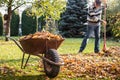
(18, 6)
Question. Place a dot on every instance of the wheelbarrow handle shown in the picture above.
(16, 43)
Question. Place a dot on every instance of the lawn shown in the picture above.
(11, 55)
(71, 45)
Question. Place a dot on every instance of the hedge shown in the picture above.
(14, 27)
(29, 22)
(41, 23)
(1, 25)
(114, 24)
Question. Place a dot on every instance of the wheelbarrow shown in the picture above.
(45, 49)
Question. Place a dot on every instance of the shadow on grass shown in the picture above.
(30, 77)
(8, 61)
(9, 73)
(16, 60)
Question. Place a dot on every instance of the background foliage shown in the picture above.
(41, 23)
(1, 25)
(113, 18)
(9, 7)
(114, 24)
(50, 9)
(29, 22)
(15, 24)
(73, 19)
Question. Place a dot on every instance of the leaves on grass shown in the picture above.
(9, 71)
(89, 66)
(93, 65)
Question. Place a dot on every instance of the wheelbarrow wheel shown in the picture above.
(51, 70)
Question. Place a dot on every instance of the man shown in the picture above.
(94, 24)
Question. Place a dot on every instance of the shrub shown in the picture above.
(114, 24)
(41, 23)
(1, 25)
(29, 22)
(14, 26)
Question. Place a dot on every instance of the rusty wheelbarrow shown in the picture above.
(45, 49)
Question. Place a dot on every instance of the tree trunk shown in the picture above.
(7, 29)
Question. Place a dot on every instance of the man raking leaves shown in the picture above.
(94, 24)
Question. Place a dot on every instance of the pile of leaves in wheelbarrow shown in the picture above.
(42, 35)
(93, 66)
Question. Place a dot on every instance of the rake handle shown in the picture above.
(104, 43)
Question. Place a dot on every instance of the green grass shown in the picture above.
(11, 55)
(72, 45)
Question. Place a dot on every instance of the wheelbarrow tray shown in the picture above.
(39, 45)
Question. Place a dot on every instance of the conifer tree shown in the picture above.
(29, 22)
(73, 19)
(14, 26)
(1, 25)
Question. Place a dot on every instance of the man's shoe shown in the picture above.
(79, 52)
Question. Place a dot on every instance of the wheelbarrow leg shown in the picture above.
(22, 60)
(23, 66)
(26, 61)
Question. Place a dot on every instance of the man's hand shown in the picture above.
(104, 23)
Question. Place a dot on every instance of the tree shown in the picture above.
(113, 16)
(14, 26)
(41, 23)
(50, 9)
(29, 22)
(11, 6)
(113, 6)
(1, 25)
(72, 20)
